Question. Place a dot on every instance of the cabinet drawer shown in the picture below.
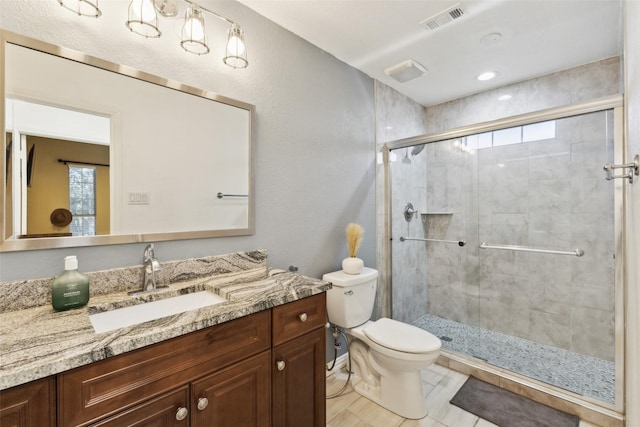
(89, 393)
(161, 411)
(299, 317)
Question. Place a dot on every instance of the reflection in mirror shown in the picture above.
(130, 156)
(68, 175)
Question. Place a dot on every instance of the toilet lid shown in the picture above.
(401, 337)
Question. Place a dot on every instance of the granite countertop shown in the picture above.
(38, 342)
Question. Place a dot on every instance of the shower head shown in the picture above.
(417, 149)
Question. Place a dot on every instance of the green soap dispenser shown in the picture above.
(71, 288)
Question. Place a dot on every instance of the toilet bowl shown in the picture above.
(385, 371)
(387, 355)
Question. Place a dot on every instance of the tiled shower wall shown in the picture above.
(397, 117)
(481, 288)
(544, 194)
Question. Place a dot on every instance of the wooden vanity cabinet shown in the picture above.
(128, 382)
(298, 357)
(265, 369)
(29, 405)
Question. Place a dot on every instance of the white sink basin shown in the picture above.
(135, 314)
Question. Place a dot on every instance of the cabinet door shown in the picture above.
(29, 405)
(236, 396)
(299, 381)
(167, 410)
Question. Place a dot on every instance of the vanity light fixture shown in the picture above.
(82, 7)
(143, 20)
(194, 38)
(236, 54)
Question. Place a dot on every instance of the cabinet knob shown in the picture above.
(182, 413)
(280, 365)
(302, 317)
(202, 403)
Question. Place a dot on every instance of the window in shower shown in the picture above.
(513, 135)
(525, 199)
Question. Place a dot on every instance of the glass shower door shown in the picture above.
(547, 251)
(503, 246)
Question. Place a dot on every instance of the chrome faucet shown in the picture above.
(150, 265)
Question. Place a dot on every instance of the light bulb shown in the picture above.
(143, 10)
(235, 45)
(487, 75)
(193, 27)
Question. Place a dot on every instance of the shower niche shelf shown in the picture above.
(436, 224)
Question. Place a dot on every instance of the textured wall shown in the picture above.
(314, 134)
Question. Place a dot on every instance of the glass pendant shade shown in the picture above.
(82, 7)
(143, 18)
(236, 54)
(194, 38)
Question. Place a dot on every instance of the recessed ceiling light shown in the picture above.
(490, 39)
(504, 97)
(487, 75)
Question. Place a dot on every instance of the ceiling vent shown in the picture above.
(444, 18)
(405, 71)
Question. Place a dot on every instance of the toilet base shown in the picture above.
(403, 403)
(399, 391)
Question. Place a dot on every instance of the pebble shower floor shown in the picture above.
(571, 371)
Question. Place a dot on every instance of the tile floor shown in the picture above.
(440, 385)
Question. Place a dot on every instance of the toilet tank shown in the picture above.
(350, 301)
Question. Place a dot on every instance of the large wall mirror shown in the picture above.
(98, 153)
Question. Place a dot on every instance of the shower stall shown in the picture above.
(506, 243)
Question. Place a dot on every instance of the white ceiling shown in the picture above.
(538, 37)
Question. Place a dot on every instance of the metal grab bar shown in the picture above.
(457, 242)
(577, 252)
(221, 195)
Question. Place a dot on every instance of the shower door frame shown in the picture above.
(614, 103)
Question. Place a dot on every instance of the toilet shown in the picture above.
(387, 356)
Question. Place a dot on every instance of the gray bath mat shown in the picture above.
(508, 409)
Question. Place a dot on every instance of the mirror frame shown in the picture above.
(113, 239)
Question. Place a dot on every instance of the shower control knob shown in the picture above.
(302, 317)
(280, 365)
(203, 402)
(182, 413)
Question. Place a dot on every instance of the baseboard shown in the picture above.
(341, 363)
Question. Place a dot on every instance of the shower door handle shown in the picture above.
(629, 174)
